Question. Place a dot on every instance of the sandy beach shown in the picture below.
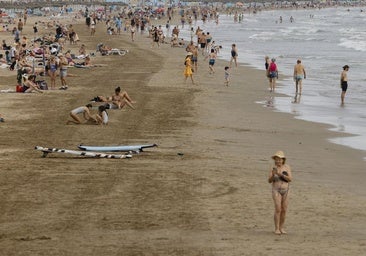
(202, 191)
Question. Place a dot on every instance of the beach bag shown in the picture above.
(42, 84)
(19, 88)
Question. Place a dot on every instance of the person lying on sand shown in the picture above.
(87, 63)
(118, 99)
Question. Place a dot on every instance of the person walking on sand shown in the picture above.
(273, 74)
(155, 37)
(280, 176)
(85, 110)
(194, 58)
(299, 75)
(188, 71)
(227, 76)
(234, 55)
(344, 82)
(211, 61)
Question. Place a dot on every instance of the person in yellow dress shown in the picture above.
(188, 71)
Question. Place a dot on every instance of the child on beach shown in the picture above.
(227, 76)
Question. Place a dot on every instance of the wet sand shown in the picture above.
(203, 191)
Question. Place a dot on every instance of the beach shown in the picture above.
(202, 191)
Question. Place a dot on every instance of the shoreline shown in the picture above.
(305, 111)
(203, 191)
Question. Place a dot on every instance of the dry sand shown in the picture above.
(203, 191)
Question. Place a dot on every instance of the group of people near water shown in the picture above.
(209, 50)
(299, 75)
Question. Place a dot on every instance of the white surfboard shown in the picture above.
(121, 148)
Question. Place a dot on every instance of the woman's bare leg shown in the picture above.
(277, 214)
(126, 96)
(126, 102)
(75, 121)
(284, 205)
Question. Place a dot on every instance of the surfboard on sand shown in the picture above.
(121, 148)
(46, 151)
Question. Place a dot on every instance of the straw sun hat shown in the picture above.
(279, 154)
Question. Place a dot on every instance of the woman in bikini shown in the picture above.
(51, 68)
(280, 176)
(120, 99)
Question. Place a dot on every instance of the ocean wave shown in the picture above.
(354, 44)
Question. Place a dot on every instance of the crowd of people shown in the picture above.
(45, 56)
(25, 56)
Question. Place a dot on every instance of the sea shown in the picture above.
(325, 40)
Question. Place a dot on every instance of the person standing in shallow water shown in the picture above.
(280, 176)
(344, 82)
(234, 55)
(299, 75)
(273, 74)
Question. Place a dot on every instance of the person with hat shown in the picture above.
(280, 175)
(344, 82)
(188, 71)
